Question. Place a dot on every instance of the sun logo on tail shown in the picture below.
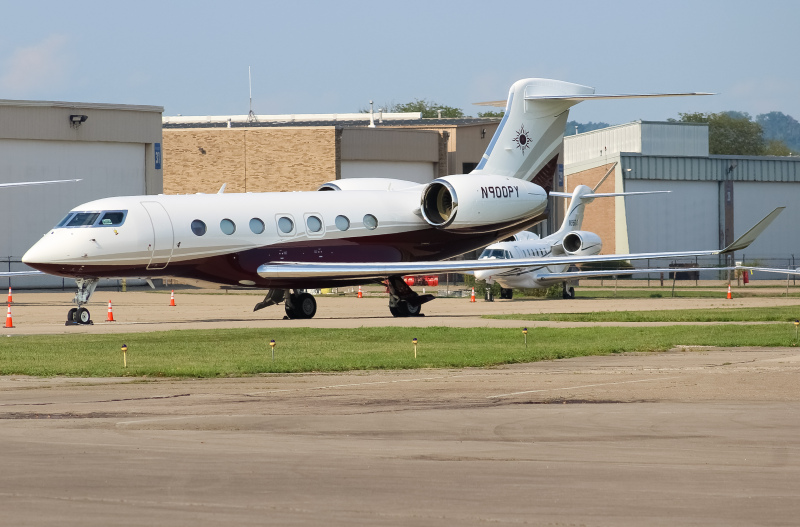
(522, 140)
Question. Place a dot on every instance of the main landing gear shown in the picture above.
(298, 304)
(80, 315)
(403, 301)
(568, 292)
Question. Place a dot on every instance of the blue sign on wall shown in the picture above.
(157, 151)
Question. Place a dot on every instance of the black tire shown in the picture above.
(394, 311)
(569, 293)
(506, 294)
(306, 306)
(72, 315)
(408, 310)
(83, 316)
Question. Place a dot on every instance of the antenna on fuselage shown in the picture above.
(251, 117)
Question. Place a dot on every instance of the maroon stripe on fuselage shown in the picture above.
(231, 269)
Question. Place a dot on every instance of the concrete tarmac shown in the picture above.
(697, 437)
(36, 312)
(688, 437)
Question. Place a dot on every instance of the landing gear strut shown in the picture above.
(403, 301)
(80, 315)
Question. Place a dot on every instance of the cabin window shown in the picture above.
(285, 225)
(227, 226)
(370, 222)
(314, 224)
(342, 223)
(198, 227)
(256, 225)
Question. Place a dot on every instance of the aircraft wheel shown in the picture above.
(409, 310)
(394, 311)
(507, 294)
(569, 293)
(83, 316)
(72, 316)
(306, 306)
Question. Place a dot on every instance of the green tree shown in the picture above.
(429, 109)
(492, 114)
(730, 133)
(778, 125)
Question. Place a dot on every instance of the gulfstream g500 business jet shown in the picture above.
(353, 231)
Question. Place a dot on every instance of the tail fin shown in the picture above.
(532, 129)
(582, 196)
(528, 140)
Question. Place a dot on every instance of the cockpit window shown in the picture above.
(493, 253)
(64, 221)
(83, 219)
(112, 219)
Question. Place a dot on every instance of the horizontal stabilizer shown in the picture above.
(609, 195)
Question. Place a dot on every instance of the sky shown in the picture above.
(192, 58)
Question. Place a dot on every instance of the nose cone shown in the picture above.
(483, 275)
(41, 256)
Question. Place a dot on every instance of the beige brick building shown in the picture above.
(282, 156)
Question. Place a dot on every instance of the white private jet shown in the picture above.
(354, 231)
(11, 274)
(569, 240)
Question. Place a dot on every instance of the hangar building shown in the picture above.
(114, 149)
(714, 199)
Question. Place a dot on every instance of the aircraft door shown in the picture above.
(163, 239)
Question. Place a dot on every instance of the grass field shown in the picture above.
(765, 314)
(666, 292)
(238, 352)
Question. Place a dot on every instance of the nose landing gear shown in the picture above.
(80, 315)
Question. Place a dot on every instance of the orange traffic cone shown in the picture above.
(9, 321)
(729, 292)
(360, 294)
(472, 298)
(9, 296)
(172, 299)
(110, 317)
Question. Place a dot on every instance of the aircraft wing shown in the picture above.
(621, 272)
(379, 270)
(26, 183)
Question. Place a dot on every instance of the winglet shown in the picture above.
(750, 236)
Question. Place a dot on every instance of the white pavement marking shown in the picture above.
(577, 387)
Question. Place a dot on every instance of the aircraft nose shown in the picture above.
(40, 254)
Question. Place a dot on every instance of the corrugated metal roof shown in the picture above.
(712, 168)
(85, 105)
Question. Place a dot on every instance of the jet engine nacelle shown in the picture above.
(582, 243)
(466, 200)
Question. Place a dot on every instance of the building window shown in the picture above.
(370, 222)
(342, 223)
(198, 227)
(314, 224)
(227, 226)
(256, 225)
